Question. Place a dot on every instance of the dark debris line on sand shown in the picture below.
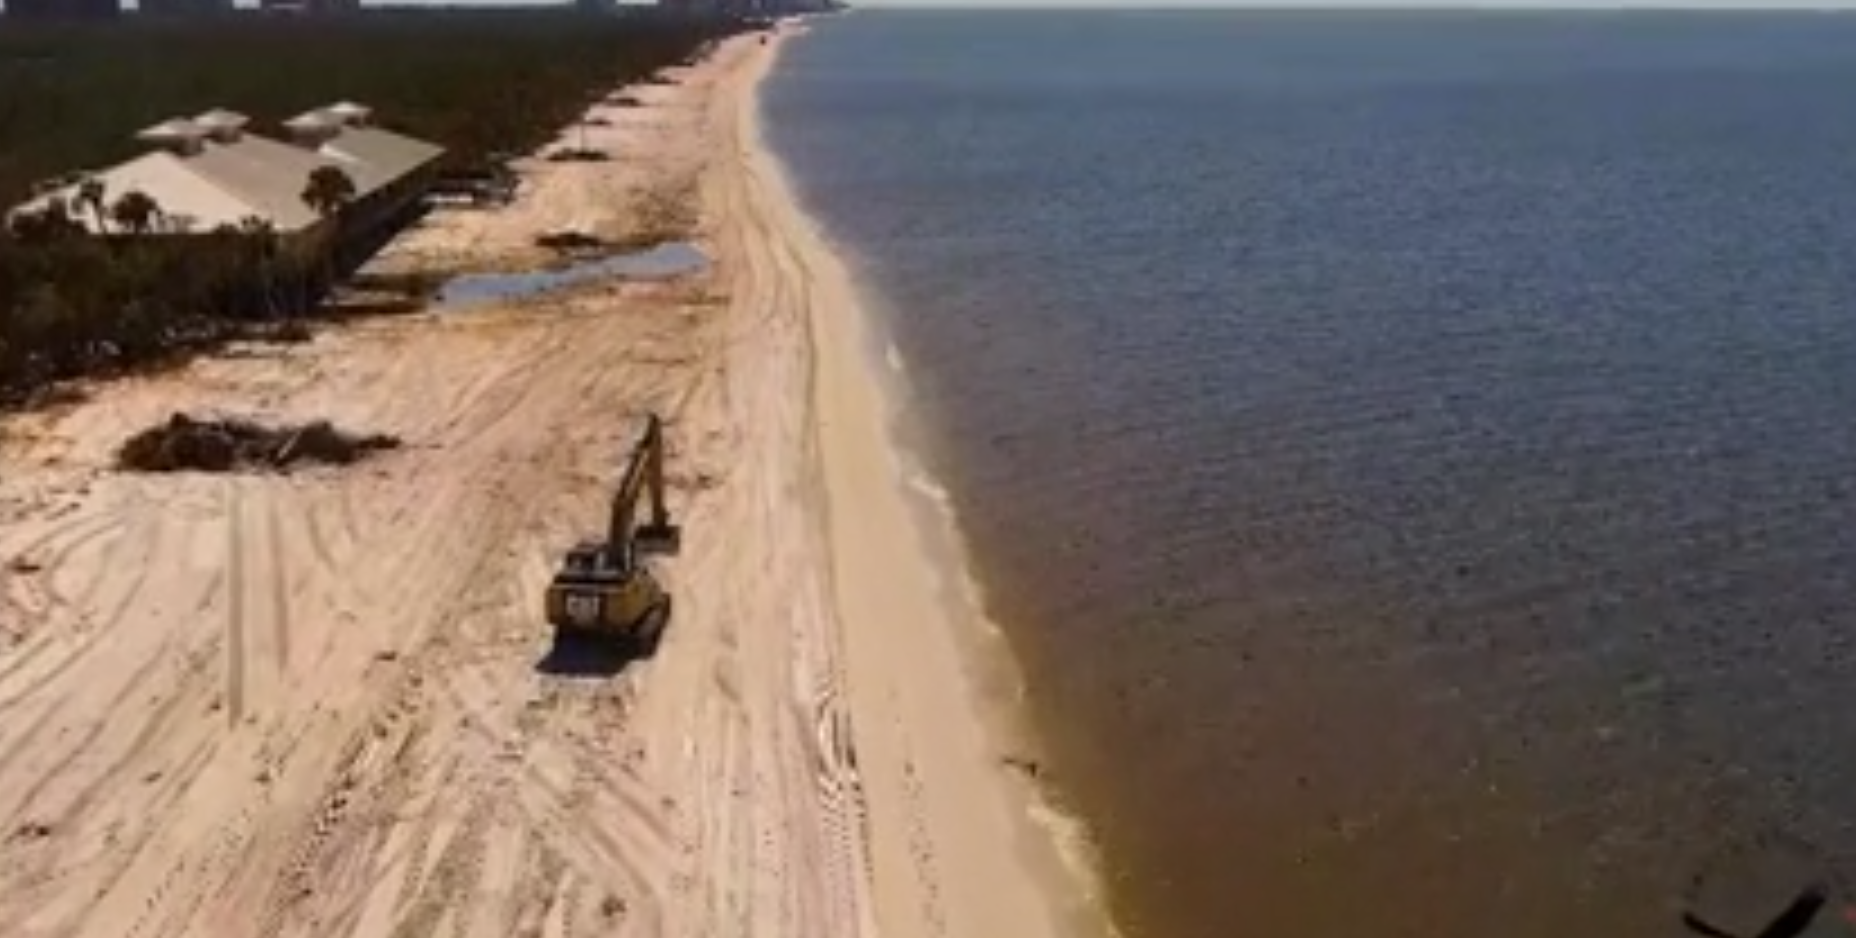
(183, 443)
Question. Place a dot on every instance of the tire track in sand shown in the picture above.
(385, 872)
(413, 863)
(112, 864)
(21, 745)
(348, 828)
(72, 533)
(40, 641)
(279, 580)
(141, 507)
(79, 603)
(235, 602)
(343, 836)
(324, 586)
(455, 875)
(182, 704)
(572, 823)
(30, 590)
(538, 893)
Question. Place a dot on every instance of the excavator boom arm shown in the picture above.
(644, 470)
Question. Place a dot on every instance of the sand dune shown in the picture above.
(315, 704)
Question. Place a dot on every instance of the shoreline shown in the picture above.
(938, 666)
(325, 696)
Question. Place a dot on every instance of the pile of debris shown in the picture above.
(184, 443)
(568, 240)
(576, 155)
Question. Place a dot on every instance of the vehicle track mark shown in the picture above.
(71, 534)
(419, 841)
(55, 772)
(235, 604)
(539, 892)
(117, 862)
(179, 707)
(93, 632)
(293, 884)
(452, 878)
(279, 579)
(350, 827)
(844, 812)
(581, 839)
(186, 878)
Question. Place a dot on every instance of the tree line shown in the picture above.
(72, 97)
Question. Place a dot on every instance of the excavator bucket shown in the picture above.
(665, 539)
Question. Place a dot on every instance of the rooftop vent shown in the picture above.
(313, 128)
(350, 113)
(178, 135)
(222, 125)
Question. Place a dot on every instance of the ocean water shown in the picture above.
(1412, 453)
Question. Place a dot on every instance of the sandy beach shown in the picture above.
(310, 705)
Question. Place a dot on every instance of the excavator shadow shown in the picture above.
(586, 655)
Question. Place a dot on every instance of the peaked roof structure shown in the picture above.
(189, 200)
(265, 173)
(220, 119)
(349, 112)
(211, 172)
(171, 131)
(318, 119)
(375, 157)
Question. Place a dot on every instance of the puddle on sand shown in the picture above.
(671, 259)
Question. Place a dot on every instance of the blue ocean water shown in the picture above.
(1411, 452)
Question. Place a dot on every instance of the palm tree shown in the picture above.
(135, 211)
(91, 193)
(49, 223)
(256, 226)
(328, 190)
(261, 239)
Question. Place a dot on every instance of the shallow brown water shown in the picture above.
(1410, 452)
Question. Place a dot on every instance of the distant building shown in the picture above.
(748, 8)
(63, 9)
(316, 7)
(207, 171)
(184, 7)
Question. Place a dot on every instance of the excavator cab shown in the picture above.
(605, 588)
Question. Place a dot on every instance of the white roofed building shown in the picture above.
(267, 173)
(209, 170)
(377, 158)
(374, 157)
(190, 201)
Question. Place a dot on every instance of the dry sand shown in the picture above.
(310, 705)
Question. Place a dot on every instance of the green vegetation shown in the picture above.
(477, 82)
(73, 96)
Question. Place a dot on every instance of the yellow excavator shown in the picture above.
(605, 588)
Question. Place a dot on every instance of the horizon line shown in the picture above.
(1374, 6)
